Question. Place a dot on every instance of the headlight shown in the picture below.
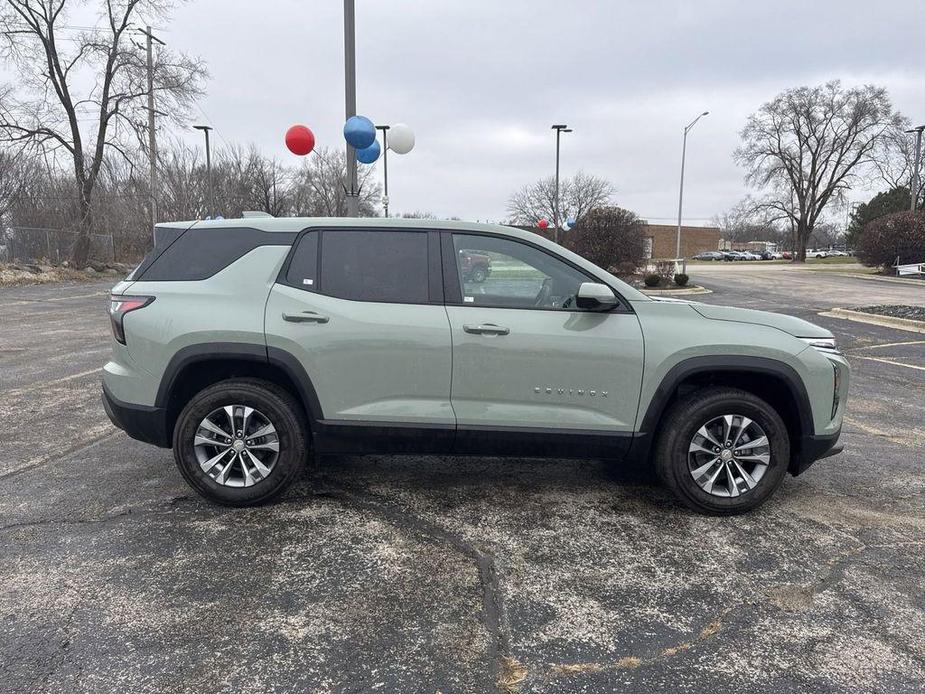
(823, 344)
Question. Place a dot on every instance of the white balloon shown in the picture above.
(401, 138)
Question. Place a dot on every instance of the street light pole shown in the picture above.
(350, 93)
(205, 129)
(916, 166)
(561, 128)
(385, 165)
(681, 189)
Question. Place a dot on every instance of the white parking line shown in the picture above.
(45, 384)
(893, 344)
(21, 302)
(889, 361)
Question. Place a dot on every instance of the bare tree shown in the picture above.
(807, 145)
(17, 175)
(318, 187)
(577, 195)
(894, 158)
(747, 221)
(79, 96)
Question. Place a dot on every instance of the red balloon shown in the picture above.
(542, 224)
(300, 140)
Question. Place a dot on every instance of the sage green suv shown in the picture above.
(247, 345)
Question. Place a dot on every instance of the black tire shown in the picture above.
(681, 422)
(479, 275)
(277, 405)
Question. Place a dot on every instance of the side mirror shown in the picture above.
(596, 297)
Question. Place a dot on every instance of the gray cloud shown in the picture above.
(481, 81)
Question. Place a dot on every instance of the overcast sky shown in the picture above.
(481, 81)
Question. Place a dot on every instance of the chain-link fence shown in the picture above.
(34, 244)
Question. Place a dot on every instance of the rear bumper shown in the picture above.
(141, 422)
(813, 448)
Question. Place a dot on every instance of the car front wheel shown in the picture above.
(722, 451)
(240, 442)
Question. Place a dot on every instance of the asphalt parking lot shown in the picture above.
(450, 574)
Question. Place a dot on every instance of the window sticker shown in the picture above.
(308, 282)
(469, 299)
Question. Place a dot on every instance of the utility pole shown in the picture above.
(350, 93)
(150, 38)
(385, 165)
(916, 166)
(555, 212)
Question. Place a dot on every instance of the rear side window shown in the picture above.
(303, 267)
(200, 253)
(163, 237)
(387, 266)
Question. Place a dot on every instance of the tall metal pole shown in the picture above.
(209, 174)
(560, 128)
(385, 165)
(350, 92)
(681, 187)
(677, 253)
(916, 166)
(150, 38)
(205, 129)
(555, 215)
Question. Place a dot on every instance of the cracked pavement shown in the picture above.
(426, 574)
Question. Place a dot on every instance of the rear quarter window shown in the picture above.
(200, 253)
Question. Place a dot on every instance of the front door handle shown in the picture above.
(487, 329)
(305, 317)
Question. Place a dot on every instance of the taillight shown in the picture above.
(119, 306)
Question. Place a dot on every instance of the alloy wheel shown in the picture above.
(236, 445)
(729, 455)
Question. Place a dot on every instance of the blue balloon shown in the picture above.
(368, 155)
(359, 132)
(570, 221)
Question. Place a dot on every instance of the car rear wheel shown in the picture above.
(722, 450)
(240, 442)
(479, 275)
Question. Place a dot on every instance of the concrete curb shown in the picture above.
(914, 326)
(676, 292)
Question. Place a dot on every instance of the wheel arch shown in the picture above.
(770, 379)
(198, 366)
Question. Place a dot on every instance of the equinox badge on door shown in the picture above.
(581, 392)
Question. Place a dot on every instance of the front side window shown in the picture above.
(505, 273)
(387, 266)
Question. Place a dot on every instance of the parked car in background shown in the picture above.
(817, 254)
(476, 267)
(750, 255)
(251, 345)
(709, 255)
(787, 255)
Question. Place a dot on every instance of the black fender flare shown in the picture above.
(243, 351)
(718, 364)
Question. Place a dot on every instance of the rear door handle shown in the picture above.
(486, 329)
(305, 317)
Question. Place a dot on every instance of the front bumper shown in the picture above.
(813, 448)
(141, 422)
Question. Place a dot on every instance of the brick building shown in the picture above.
(662, 239)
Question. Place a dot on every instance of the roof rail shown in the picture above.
(252, 214)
